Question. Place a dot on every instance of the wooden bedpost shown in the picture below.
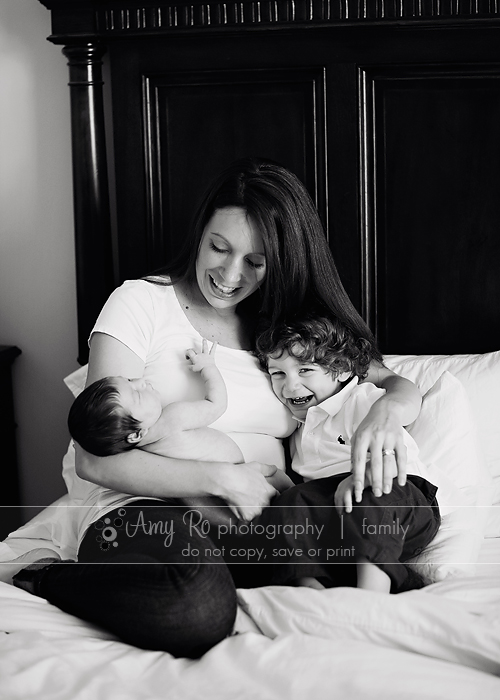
(94, 265)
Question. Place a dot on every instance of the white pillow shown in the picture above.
(446, 435)
(76, 380)
(455, 549)
(447, 439)
(480, 377)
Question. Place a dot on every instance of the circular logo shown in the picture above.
(109, 533)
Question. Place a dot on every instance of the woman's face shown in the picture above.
(231, 263)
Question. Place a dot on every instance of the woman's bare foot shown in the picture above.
(9, 569)
(310, 582)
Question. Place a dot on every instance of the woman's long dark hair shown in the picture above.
(301, 275)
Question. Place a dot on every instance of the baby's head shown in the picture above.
(113, 415)
(311, 359)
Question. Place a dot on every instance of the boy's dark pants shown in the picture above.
(386, 531)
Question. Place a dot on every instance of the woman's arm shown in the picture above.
(145, 474)
(381, 430)
(109, 357)
(403, 393)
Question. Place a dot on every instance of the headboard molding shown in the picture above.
(128, 17)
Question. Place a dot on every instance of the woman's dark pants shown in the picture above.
(145, 576)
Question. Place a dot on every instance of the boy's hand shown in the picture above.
(344, 495)
(205, 358)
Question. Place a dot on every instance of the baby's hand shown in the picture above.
(205, 358)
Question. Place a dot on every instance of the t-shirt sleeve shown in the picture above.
(128, 316)
(359, 404)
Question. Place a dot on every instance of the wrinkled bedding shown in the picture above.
(439, 642)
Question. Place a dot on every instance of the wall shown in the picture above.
(37, 267)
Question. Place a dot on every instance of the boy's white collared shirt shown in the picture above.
(321, 446)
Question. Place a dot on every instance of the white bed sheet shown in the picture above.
(442, 642)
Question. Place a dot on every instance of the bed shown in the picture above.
(366, 102)
(442, 641)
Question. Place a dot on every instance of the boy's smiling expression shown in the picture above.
(300, 385)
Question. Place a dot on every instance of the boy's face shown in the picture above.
(139, 399)
(300, 385)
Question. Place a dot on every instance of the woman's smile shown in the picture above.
(222, 290)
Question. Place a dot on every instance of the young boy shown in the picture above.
(315, 365)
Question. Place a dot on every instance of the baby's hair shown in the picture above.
(98, 422)
(324, 341)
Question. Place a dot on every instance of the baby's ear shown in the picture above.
(133, 438)
(344, 376)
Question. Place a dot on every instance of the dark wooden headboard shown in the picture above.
(389, 110)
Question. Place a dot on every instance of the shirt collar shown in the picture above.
(332, 404)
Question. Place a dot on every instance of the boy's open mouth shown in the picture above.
(301, 400)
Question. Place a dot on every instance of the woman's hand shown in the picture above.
(280, 480)
(379, 438)
(245, 488)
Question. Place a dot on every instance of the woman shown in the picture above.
(257, 249)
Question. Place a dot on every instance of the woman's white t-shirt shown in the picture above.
(149, 319)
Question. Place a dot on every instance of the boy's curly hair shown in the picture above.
(324, 341)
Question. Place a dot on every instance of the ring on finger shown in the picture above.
(385, 453)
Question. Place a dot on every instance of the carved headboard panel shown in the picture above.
(387, 109)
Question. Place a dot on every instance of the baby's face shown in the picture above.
(300, 385)
(139, 399)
